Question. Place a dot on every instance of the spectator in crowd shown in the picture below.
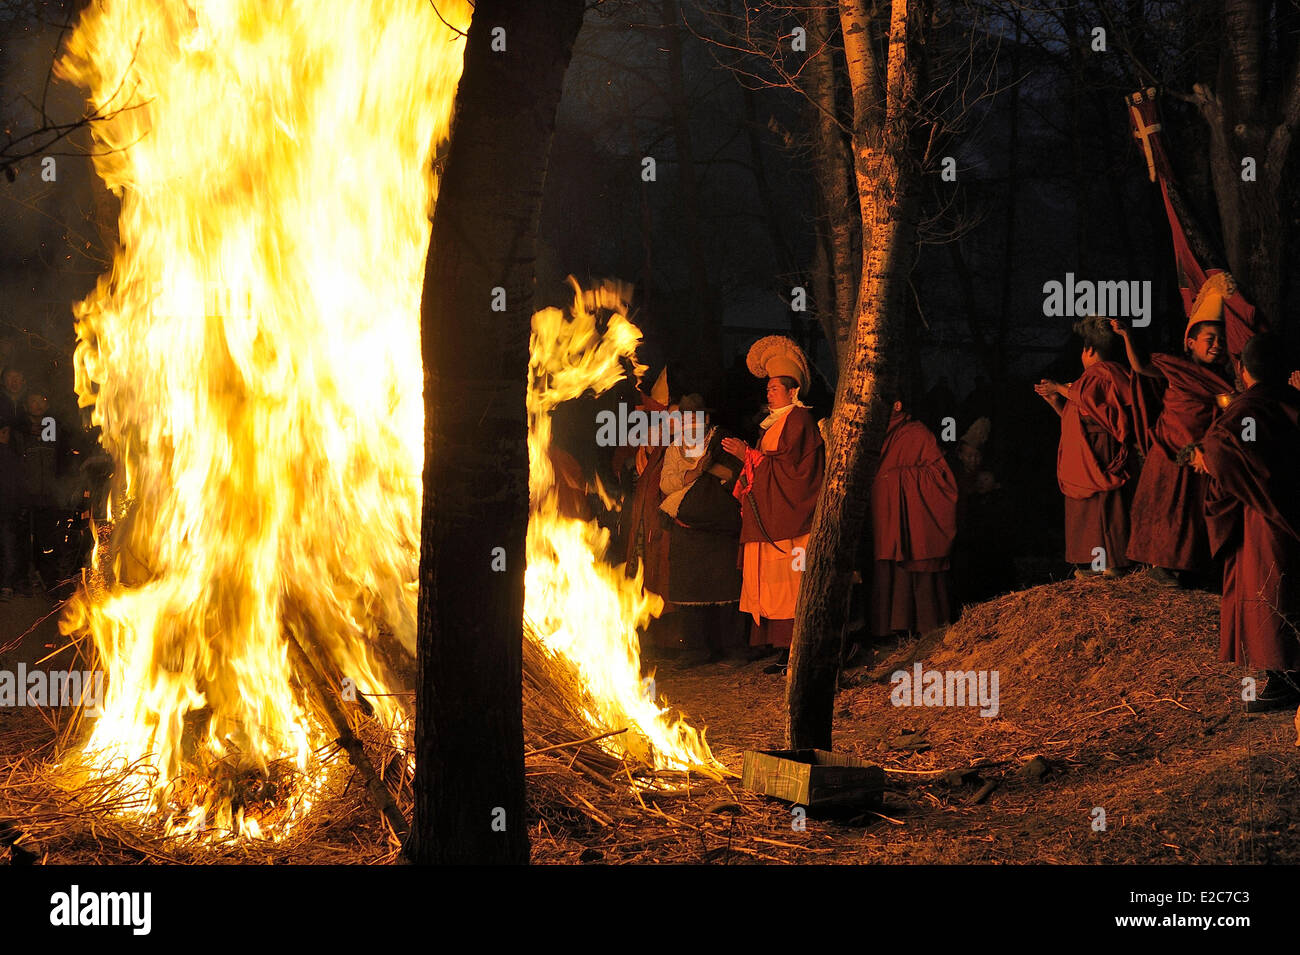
(13, 384)
(703, 576)
(647, 541)
(1251, 457)
(778, 489)
(1168, 529)
(12, 501)
(1098, 458)
(914, 523)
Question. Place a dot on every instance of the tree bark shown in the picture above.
(1240, 126)
(469, 780)
(887, 178)
(823, 283)
(833, 175)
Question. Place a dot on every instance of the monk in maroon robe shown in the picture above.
(777, 490)
(913, 522)
(1167, 529)
(1096, 461)
(1252, 457)
(647, 539)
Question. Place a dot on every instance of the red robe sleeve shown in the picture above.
(1104, 395)
(1262, 473)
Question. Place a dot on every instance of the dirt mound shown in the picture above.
(1117, 736)
(1068, 653)
(1110, 697)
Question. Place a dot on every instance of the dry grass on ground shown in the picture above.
(1110, 697)
(1115, 686)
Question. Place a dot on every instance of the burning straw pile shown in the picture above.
(581, 773)
(180, 744)
(576, 785)
(251, 364)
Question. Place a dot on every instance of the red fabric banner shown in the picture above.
(1238, 314)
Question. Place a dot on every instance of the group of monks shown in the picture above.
(1178, 461)
(729, 529)
(1188, 464)
(702, 550)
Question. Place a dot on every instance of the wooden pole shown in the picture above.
(332, 710)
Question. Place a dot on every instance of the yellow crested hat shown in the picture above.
(1208, 306)
(659, 392)
(777, 355)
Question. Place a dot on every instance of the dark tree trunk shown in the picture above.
(703, 328)
(833, 173)
(1250, 118)
(988, 357)
(1078, 179)
(1009, 223)
(823, 283)
(781, 250)
(469, 780)
(886, 171)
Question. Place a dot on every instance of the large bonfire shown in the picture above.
(252, 363)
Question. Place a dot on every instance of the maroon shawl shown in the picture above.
(1189, 401)
(785, 482)
(914, 496)
(1103, 396)
(1263, 474)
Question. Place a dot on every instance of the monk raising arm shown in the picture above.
(1144, 368)
(1054, 393)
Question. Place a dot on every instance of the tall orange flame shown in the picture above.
(251, 362)
(249, 358)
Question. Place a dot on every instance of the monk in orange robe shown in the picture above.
(1096, 460)
(914, 523)
(777, 489)
(1252, 457)
(1168, 514)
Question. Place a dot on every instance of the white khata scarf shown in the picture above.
(774, 416)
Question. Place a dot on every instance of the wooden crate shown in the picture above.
(815, 778)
